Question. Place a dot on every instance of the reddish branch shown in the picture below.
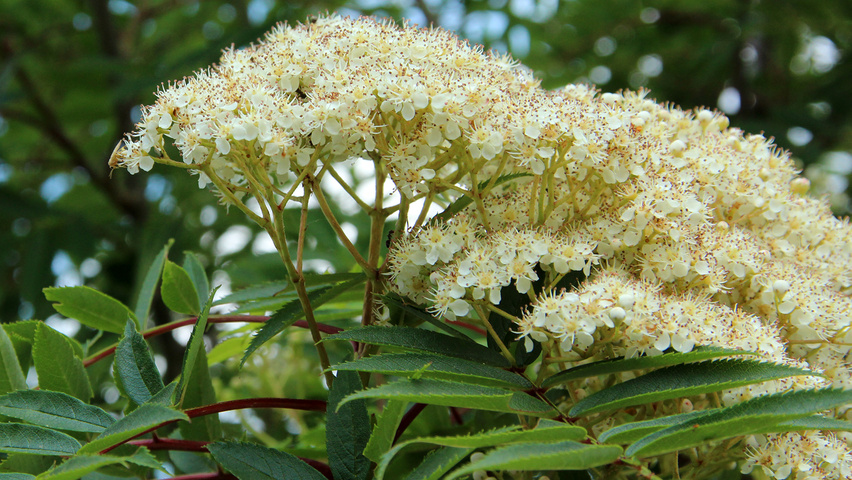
(153, 332)
(292, 403)
(409, 417)
(196, 446)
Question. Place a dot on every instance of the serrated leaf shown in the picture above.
(195, 269)
(441, 367)
(136, 422)
(630, 432)
(135, 366)
(756, 416)
(22, 334)
(11, 376)
(177, 290)
(193, 347)
(616, 365)
(438, 462)
(454, 394)
(382, 437)
(293, 311)
(814, 422)
(248, 461)
(547, 431)
(54, 410)
(423, 341)
(27, 463)
(567, 455)
(16, 476)
(199, 392)
(21, 438)
(57, 365)
(682, 381)
(149, 287)
(76, 467)
(275, 289)
(90, 307)
(347, 430)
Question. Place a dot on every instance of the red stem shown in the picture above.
(206, 476)
(470, 327)
(153, 332)
(292, 403)
(196, 446)
(409, 417)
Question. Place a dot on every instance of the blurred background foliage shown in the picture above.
(72, 74)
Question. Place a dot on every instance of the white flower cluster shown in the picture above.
(687, 232)
(814, 458)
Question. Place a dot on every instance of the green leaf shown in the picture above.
(293, 311)
(347, 429)
(27, 463)
(248, 461)
(814, 422)
(136, 422)
(547, 431)
(382, 437)
(177, 290)
(149, 287)
(193, 347)
(199, 392)
(756, 416)
(11, 376)
(16, 476)
(424, 341)
(616, 365)
(78, 466)
(425, 365)
(57, 365)
(54, 410)
(682, 381)
(21, 438)
(542, 456)
(438, 462)
(454, 394)
(195, 269)
(272, 290)
(135, 366)
(90, 307)
(630, 432)
(21, 334)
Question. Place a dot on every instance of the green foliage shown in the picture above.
(90, 307)
(424, 365)
(135, 367)
(617, 365)
(248, 461)
(682, 381)
(136, 422)
(422, 341)
(149, 286)
(455, 394)
(54, 410)
(178, 291)
(347, 429)
(293, 310)
(566, 455)
(756, 416)
(58, 365)
(11, 376)
(194, 350)
(22, 438)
